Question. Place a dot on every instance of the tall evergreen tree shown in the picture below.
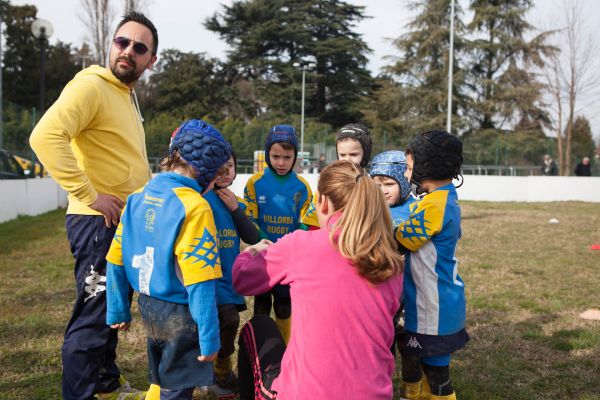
(501, 78)
(21, 56)
(583, 143)
(269, 36)
(417, 97)
(186, 85)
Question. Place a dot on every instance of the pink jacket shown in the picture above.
(342, 327)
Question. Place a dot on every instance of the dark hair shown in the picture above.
(285, 146)
(140, 18)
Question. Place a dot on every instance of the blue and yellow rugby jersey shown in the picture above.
(434, 293)
(229, 247)
(174, 243)
(275, 203)
(401, 212)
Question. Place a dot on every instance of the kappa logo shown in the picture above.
(262, 199)
(93, 284)
(414, 343)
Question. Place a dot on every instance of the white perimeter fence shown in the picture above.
(36, 196)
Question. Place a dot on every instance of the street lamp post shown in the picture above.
(304, 68)
(42, 30)
(450, 68)
(1, 109)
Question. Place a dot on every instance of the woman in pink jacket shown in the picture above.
(345, 283)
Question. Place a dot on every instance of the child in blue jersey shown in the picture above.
(232, 225)
(166, 248)
(387, 170)
(352, 143)
(276, 198)
(434, 293)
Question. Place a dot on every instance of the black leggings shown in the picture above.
(437, 377)
(261, 349)
(229, 321)
(281, 302)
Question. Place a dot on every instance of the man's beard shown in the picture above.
(126, 76)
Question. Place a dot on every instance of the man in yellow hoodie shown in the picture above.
(92, 142)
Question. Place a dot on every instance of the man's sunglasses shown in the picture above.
(122, 43)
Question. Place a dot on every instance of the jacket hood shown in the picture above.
(104, 73)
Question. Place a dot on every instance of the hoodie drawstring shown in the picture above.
(137, 105)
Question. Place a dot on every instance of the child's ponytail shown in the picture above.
(364, 232)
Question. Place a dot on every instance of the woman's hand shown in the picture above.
(228, 198)
(258, 247)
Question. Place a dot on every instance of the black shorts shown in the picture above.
(419, 345)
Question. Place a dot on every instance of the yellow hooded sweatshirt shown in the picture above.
(92, 140)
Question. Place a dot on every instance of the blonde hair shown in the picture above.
(174, 161)
(365, 228)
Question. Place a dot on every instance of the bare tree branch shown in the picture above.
(97, 16)
(571, 76)
(136, 5)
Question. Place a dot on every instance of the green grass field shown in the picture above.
(527, 282)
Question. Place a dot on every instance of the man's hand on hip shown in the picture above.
(110, 207)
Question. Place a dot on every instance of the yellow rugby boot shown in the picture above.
(410, 391)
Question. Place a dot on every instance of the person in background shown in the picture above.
(549, 168)
(92, 142)
(322, 163)
(584, 168)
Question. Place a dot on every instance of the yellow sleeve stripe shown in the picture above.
(309, 197)
(309, 216)
(250, 196)
(425, 221)
(196, 247)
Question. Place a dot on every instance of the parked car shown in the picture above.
(26, 165)
(9, 167)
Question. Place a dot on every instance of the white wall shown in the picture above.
(502, 188)
(530, 188)
(36, 196)
(29, 197)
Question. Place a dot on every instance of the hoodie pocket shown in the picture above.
(119, 187)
